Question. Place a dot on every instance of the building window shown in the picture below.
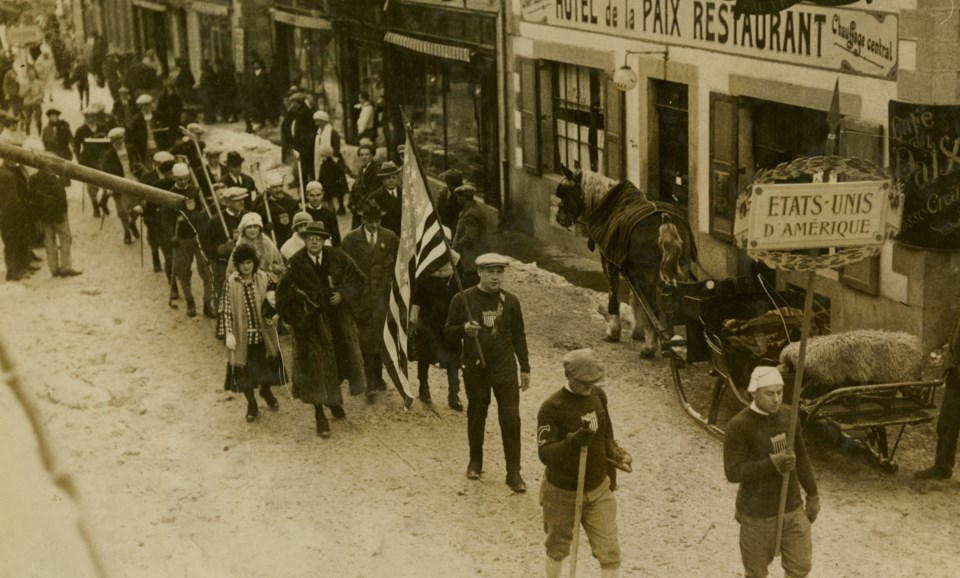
(578, 104)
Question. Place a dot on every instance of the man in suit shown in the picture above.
(234, 175)
(367, 180)
(374, 249)
(389, 196)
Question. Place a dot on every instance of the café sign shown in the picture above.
(852, 41)
(820, 216)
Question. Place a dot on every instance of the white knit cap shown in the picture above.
(764, 376)
(181, 170)
(273, 179)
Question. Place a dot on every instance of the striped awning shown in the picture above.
(150, 5)
(291, 18)
(428, 48)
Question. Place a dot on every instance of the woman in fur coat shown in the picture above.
(251, 234)
(248, 324)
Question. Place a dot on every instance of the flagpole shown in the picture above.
(415, 151)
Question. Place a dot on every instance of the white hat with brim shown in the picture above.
(116, 132)
(764, 376)
(162, 157)
(321, 115)
(144, 99)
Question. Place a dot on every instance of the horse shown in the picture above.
(649, 242)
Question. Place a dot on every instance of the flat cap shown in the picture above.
(195, 128)
(764, 376)
(582, 365)
(234, 194)
(90, 110)
(492, 260)
(313, 186)
(52, 111)
(298, 97)
(212, 149)
(116, 132)
(98, 106)
(144, 99)
(162, 157)
(321, 115)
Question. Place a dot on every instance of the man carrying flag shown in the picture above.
(423, 250)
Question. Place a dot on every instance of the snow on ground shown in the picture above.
(174, 482)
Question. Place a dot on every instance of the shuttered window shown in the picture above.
(615, 128)
(724, 169)
(862, 140)
(530, 115)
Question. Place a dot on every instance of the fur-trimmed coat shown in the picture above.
(324, 335)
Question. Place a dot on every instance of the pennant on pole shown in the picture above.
(422, 251)
(833, 119)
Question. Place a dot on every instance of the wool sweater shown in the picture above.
(747, 445)
(561, 415)
(502, 336)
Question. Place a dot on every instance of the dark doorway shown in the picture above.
(673, 142)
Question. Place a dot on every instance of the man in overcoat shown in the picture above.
(389, 196)
(318, 296)
(374, 249)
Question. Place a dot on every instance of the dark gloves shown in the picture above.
(581, 437)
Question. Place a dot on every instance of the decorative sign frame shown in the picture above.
(771, 240)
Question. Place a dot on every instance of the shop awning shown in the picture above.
(291, 17)
(150, 5)
(210, 8)
(428, 48)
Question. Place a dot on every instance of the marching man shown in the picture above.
(755, 455)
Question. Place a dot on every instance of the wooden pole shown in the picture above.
(795, 402)
(59, 166)
(213, 194)
(578, 511)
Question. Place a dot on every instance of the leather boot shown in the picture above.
(191, 308)
(552, 568)
(323, 426)
(252, 409)
(268, 397)
(425, 393)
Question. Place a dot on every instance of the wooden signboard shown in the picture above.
(820, 216)
(24, 35)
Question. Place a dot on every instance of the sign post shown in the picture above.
(24, 35)
(838, 223)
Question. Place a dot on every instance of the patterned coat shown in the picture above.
(326, 345)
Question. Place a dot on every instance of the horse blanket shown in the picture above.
(615, 216)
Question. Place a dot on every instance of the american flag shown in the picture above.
(422, 251)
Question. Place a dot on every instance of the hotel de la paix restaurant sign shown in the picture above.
(851, 41)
